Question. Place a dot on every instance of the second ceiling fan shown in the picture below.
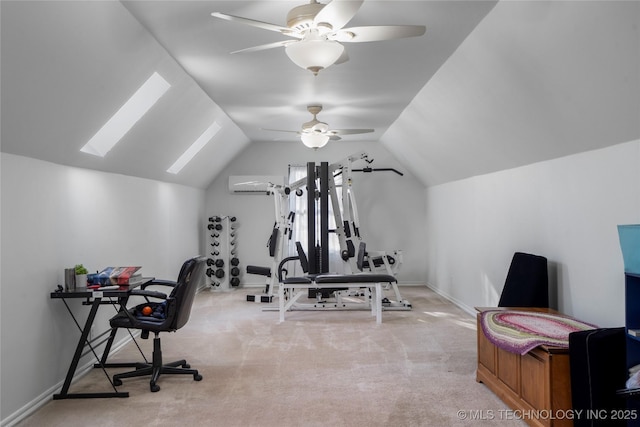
(316, 134)
(317, 30)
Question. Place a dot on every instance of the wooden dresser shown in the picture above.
(537, 383)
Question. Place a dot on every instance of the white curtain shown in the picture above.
(298, 204)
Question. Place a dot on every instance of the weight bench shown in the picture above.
(330, 281)
(324, 281)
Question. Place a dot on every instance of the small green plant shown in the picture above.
(80, 269)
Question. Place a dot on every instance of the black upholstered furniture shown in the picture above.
(598, 370)
(527, 282)
(166, 312)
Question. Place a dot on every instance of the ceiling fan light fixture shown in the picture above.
(314, 54)
(314, 140)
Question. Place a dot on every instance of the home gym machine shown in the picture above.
(321, 184)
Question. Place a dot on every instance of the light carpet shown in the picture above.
(318, 368)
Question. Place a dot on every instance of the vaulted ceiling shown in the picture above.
(491, 85)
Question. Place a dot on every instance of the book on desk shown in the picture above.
(110, 276)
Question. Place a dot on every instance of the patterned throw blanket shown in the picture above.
(520, 331)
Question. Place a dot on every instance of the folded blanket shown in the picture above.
(520, 331)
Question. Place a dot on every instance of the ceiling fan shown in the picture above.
(316, 134)
(318, 31)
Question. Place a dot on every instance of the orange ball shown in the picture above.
(146, 310)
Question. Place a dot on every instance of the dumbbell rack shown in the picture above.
(223, 266)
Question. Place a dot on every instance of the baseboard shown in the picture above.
(453, 300)
(44, 398)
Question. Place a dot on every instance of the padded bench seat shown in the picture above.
(354, 278)
(327, 280)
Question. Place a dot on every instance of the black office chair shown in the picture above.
(167, 315)
(527, 282)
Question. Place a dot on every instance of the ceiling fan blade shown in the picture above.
(280, 130)
(334, 138)
(264, 46)
(259, 24)
(349, 131)
(377, 33)
(338, 13)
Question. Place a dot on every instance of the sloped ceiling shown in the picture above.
(535, 81)
(67, 67)
(489, 87)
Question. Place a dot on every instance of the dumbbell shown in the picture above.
(235, 271)
(214, 227)
(219, 273)
(217, 262)
(235, 261)
(234, 281)
(215, 219)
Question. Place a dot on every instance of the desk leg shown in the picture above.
(107, 348)
(102, 363)
(64, 393)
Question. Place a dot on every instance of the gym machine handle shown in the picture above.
(367, 170)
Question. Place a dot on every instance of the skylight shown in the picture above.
(127, 116)
(195, 148)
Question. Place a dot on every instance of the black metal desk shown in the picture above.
(94, 298)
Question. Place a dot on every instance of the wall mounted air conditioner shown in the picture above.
(252, 184)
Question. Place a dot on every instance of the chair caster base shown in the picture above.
(154, 388)
(197, 377)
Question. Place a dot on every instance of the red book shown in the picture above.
(124, 275)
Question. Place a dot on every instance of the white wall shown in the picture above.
(55, 217)
(391, 207)
(566, 209)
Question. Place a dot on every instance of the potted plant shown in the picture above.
(81, 276)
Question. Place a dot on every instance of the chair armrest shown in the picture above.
(146, 293)
(168, 283)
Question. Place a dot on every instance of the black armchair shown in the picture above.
(167, 315)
